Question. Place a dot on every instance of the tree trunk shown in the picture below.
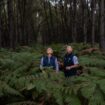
(74, 21)
(11, 23)
(93, 22)
(47, 23)
(102, 32)
(0, 34)
(84, 10)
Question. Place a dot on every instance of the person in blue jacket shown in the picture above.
(70, 63)
(49, 60)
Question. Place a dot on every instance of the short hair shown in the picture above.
(50, 49)
(69, 47)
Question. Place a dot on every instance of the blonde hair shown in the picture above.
(49, 48)
(69, 47)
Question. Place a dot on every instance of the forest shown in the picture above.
(27, 22)
(28, 27)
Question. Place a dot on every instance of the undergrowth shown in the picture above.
(23, 83)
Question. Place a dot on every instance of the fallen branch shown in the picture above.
(88, 51)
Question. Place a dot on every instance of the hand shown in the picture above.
(57, 72)
(68, 68)
(41, 68)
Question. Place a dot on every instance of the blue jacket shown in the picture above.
(50, 62)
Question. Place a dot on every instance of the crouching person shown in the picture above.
(49, 60)
(70, 63)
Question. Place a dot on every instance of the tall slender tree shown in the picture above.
(102, 25)
(0, 33)
(11, 23)
(93, 21)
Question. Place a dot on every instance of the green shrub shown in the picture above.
(23, 83)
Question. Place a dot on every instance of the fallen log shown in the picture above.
(88, 51)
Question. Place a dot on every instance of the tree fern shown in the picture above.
(6, 90)
(20, 76)
(23, 103)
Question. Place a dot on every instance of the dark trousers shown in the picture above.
(70, 73)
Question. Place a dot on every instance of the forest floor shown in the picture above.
(23, 83)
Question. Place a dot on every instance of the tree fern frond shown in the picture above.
(72, 100)
(97, 98)
(6, 90)
(23, 103)
(88, 90)
(97, 72)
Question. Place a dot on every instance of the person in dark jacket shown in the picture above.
(49, 60)
(70, 63)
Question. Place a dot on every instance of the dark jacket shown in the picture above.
(49, 62)
(68, 61)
